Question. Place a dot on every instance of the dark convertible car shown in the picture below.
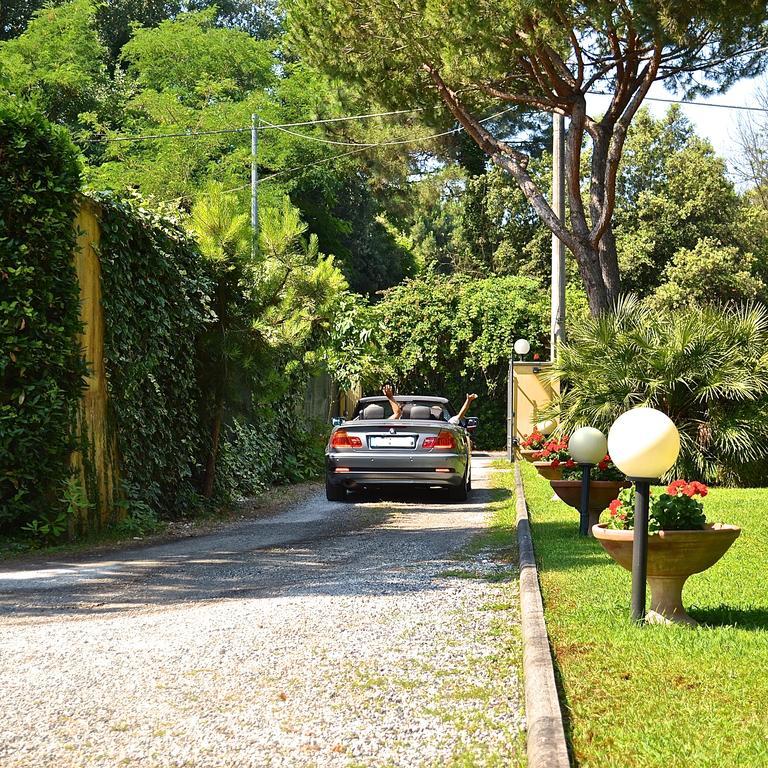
(426, 447)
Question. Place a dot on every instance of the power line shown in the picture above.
(277, 173)
(285, 126)
(179, 135)
(690, 103)
(390, 143)
(192, 134)
(707, 104)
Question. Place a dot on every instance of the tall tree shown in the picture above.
(547, 55)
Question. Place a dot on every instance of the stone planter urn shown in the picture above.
(527, 453)
(546, 470)
(601, 494)
(673, 556)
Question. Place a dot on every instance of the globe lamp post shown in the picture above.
(643, 443)
(521, 347)
(587, 447)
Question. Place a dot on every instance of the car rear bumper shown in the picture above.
(351, 470)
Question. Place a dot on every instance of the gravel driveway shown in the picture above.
(328, 635)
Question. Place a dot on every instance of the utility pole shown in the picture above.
(254, 179)
(557, 327)
(510, 410)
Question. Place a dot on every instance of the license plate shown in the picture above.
(388, 441)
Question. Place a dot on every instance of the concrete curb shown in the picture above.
(547, 747)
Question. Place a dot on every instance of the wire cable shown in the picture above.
(382, 143)
(276, 173)
(192, 134)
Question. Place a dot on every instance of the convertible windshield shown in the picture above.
(431, 410)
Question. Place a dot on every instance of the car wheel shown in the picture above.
(334, 492)
(459, 493)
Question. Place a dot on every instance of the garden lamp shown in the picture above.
(522, 347)
(546, 428)
(587, 447)
(644, 443)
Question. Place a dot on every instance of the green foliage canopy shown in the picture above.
(446, 335)
(706, 368)
(546, 56)
(41, 368)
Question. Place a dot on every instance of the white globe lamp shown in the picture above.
(546, 428)
(644, 443)
(522, 347)
(587, 445)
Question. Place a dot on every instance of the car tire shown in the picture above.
(459, 493)
(334, 492)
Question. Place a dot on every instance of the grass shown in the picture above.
(645, 696)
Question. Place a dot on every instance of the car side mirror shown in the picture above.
(471, 423)
(337, 421)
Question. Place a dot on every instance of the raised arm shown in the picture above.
(389, 393)
(464, 408)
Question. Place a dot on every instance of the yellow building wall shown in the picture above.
(96, 457)
(530, 394)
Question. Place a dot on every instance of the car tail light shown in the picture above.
(444, 440)
(342, 439)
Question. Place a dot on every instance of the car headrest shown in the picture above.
(373, 411)
(420, 412)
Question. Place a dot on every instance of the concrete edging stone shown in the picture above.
(546, 743)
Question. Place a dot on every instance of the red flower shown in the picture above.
(603, 465)
(684, 488)
(555, 462)
(614, 506)
(676, 486)
(570, 464)
(699, 489)
(536, 356)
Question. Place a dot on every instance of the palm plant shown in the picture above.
(706, 367)
(273, 301)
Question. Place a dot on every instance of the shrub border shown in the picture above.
(546, 743)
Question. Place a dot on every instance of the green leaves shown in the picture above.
(443, 335)
(705, 367)
(155, 295)
(41, 369)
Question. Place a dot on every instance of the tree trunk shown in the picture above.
(213, 454)
(598, 295)
(609, 264)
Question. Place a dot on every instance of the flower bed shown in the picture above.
(657, 697)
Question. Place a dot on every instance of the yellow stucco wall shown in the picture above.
(96, 457)
(530, 394)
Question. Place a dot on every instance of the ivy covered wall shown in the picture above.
(41, 369)
(145, 376)
(156, 305)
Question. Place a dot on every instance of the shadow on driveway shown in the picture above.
(370, 545)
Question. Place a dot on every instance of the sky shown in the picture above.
(718, 125)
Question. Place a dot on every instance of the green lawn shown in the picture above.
(658, 696)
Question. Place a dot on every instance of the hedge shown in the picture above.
(41, 368)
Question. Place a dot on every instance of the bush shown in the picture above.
(155, 296)
(709, 273)
(41, 368)
(447, 336)
(705, 368)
